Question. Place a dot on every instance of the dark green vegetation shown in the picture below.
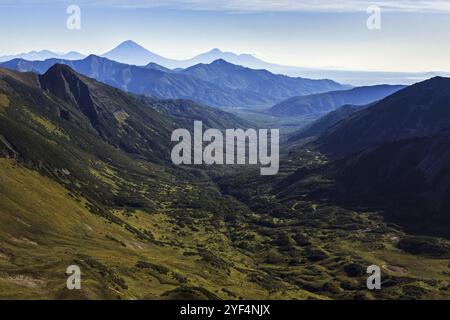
(233, 86)
(409, 178)
(326, 248)
(320, 103)
(392, 155)
(86, 179)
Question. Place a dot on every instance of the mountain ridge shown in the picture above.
(330, 101)
(131, 52)
(157, 82)
(262, 82)
(420, 110)
(325, 122)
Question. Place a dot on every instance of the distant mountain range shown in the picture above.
(233, 86)
(129, 52)
(43, 55)
(132, 53)
(330, 101)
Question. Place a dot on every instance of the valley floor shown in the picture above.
(321, 252)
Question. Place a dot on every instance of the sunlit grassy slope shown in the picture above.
(44, 229)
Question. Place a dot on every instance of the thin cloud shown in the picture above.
(256, 5)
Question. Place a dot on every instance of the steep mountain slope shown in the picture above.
(414, 172)
(329, 101)
(116, 117)
(82, 134)
(136, 124)
(327, 121)
(419, 110)
(409, 180)
(392, 156)
(185, 112)
(262, 82)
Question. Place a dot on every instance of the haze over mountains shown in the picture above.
(130, 52)
(326, 102)
(43, 55)
(233, 86)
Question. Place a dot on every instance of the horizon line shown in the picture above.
(324, 68)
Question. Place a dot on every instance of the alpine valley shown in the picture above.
(86, 179)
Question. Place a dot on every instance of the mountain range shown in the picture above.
(130, 52)
(136, 124)
(326, 102)
(43, 55)
(261, 82)
(234, 86)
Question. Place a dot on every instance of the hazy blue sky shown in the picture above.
(414, 35)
